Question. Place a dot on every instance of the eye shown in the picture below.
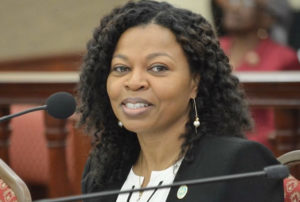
(249, 3)
(120, 69)
(158, 68)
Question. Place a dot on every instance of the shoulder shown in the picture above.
(225, 43)
(282, 54)
(276, 47)
(231, 143)
(89, 178)
(221, 156)
(86, 180)
(236, 152)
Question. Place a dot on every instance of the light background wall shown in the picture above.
(198, 6)
(31, 28)
(43, 27)
(50, 27)
(295, 4)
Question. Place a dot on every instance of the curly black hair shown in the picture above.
(220, 101)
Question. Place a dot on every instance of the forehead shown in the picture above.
(149, 37)
(245, 3)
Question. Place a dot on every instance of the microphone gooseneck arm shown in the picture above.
(4, 118)
(59, 105)
(268, 172)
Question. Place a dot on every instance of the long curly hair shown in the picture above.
(220, 102)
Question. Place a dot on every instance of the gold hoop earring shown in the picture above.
(196, 123)
(262, 33)
(120, 124)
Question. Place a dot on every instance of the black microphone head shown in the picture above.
(277, 171)
(61, 105)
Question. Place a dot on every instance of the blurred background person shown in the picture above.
(253, 34)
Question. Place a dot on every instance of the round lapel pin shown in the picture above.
(182, 191)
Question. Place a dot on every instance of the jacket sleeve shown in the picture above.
(85, 181)
(252, 156)
(88, 184)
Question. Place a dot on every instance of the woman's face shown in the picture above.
(150, 83)
(240, 15)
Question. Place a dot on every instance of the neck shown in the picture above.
(156, 155)
(241, 45)
(246, 41)
(159, 150)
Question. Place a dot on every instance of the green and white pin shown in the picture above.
(182, 191)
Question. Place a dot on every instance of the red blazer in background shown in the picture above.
(267, 56)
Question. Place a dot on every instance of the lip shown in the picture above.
(136, 112)
(135, 100)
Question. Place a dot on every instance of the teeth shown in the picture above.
(135, 105)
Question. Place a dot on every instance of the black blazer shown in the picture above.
(216, 156)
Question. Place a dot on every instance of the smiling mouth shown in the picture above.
(135, 107)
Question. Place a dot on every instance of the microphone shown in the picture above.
(270, 172)
(59, 105)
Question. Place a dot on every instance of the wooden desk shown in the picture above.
(34, 87)
(276, 89)
(280, 90)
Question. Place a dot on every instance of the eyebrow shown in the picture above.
(154, 55)
(149, 57)
(120, 56)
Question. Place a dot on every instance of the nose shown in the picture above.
(242, 3)
(137, 80)
(235, 4)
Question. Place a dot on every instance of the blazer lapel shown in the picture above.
(180, 193)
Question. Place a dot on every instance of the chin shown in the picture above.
(135, 128)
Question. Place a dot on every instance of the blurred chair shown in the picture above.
(12, 188)
(47, 173)
(49, 155)
(290, 158)
(291, 184)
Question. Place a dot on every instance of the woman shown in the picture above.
(157, 92)
(248, 24)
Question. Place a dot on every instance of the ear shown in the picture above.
(195, 83)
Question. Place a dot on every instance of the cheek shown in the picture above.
(112, 89)
(249, 16)
(174, 94)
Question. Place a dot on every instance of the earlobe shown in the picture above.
(195, 83)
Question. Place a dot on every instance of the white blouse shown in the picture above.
(157, 178)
